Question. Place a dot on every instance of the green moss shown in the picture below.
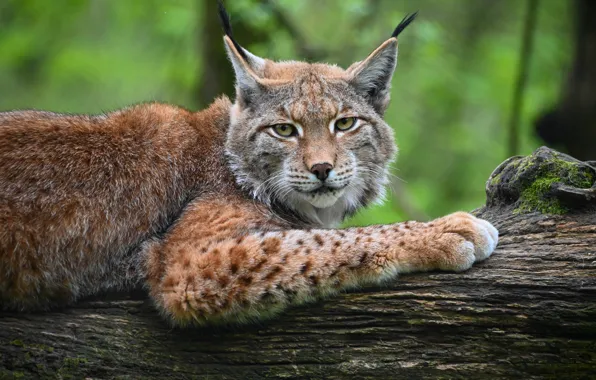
(495, 180)
(70, 368)
(36, 346)
(535, 198)
(42, 347)
(580, 179)
(74, 362)
(535, 195)
(11, 375)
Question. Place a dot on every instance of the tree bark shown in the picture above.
(527, 312)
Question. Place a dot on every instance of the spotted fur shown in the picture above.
(218, 217)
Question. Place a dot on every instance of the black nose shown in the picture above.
(321, 170)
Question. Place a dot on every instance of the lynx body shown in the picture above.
(224, 215)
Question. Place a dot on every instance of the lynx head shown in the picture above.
(310, 137)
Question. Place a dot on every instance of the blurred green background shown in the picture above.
(452, 92)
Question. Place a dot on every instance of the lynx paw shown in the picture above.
(489, 239)
(466, 240)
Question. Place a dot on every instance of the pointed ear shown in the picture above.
(248, 69)
(372, 77)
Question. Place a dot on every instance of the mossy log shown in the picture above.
(527, 312)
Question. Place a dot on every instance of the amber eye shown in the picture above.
(345, 123)
(285, 130)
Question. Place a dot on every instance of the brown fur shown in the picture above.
(78, 194)
(257, 276)
(184, 203)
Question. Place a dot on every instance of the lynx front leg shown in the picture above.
(256, 275)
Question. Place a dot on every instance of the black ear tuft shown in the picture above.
(224, 17)
(403, 24)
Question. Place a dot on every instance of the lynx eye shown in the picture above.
(345, 123)
(285, 130)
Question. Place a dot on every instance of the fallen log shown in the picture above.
(527, 312)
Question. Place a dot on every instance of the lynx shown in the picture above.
(225, 215)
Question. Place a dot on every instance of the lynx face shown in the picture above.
(310, 137)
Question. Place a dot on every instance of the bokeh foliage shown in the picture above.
(451, 93)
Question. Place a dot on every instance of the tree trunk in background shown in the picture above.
(217, 76)
(527, 312)
(571, 125)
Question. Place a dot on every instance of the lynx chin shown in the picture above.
(225, 215)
